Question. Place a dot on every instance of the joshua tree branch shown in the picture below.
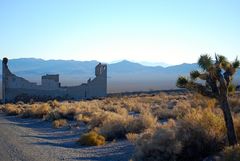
(201, 89)
(213, 84)
(227, 77)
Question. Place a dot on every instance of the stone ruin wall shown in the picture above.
(15, 88)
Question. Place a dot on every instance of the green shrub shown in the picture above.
(92, 139)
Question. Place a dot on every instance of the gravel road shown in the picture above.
(35, 140)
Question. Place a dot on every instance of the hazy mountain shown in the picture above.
(122, 76)
(129, 67)
(154, 64)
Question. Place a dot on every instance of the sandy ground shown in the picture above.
(35, 140)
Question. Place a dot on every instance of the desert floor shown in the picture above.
(35, 140)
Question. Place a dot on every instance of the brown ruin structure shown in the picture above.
(15, 88)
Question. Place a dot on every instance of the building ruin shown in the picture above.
(15, 88)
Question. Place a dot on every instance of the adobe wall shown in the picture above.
(18, 89)
(98, 86)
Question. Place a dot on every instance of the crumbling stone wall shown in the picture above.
(15, 88)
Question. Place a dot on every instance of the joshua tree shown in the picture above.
(217, 75)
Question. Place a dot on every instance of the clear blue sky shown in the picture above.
(170, 31)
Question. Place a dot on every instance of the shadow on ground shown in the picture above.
(65, 138)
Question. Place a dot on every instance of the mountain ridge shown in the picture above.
(123, 76)
(165, 65)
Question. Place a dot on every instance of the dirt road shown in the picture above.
(35, 140)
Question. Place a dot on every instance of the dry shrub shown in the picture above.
(27, 112)
(59, 123)
(1, 108)
(92, 139)
(132, 137)
(42, 110)
(199, 101)
(121, 111)
(133, 104)
(211, 103)
(163, 113)
(53, 115)
(236, 121)
(202, 133)
(39, 110)
(235, 104)
(67, 111)
(54, 104)
(159, 145)
(98, 119)
(114, 126)
(63, 109)
(181, 109)
(86, 111)
(86, 118)
(231, 153)
(143, 121)
(12, 109)
(163, 95)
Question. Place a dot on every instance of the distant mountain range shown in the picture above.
(122, 76)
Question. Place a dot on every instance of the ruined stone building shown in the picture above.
(15, 88)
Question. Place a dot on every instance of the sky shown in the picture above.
(150, 31)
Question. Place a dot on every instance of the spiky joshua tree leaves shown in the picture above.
(217, 75)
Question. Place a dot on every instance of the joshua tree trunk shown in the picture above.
(232, 139)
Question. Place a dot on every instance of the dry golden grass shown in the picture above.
(144, 121)
(187, 121)
(59, 123)
(12, 109)
(160, 144)
(162, 106)
(202, 132)
(37, 110)
(114, 126)
(132, 137)
(54, 103)
(92, 139)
